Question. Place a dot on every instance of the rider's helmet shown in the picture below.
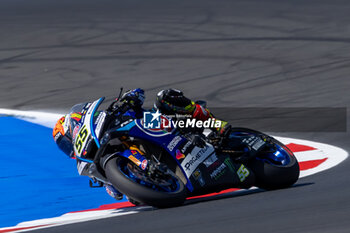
(172, 101)
(64, 131)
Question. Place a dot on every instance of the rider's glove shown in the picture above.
(201, 113)
(224, 130)
(134, 98)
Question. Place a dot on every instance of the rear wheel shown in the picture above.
(162, 191)
(275, 166)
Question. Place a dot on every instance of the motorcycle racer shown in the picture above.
(168, 101)
(172, 101)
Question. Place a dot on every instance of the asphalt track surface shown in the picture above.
(274, 53)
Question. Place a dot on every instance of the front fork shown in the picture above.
(134, 154)
(97, 180)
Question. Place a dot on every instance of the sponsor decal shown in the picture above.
(87, 106)
(124, 123)
(99, 121)
(83, 118)
(214, 165)
(254, 142)
(135, 150)
(91, 107)
(258, 144)
(179, 155)
(242, 173)
(81, 140)
(198, 176)
(75, 131)
(209, 161)
(135, 160)
(218, 172)
(144, 164)
(229, 164)
(197, 156)
(184, 148)
(85, 148)
(173, 143)
(250, 141)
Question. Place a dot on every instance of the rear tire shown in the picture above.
(272, 176)
(141, 193)
(269, 175)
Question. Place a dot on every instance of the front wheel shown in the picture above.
(161, 191)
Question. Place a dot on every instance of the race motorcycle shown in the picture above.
(162, 167)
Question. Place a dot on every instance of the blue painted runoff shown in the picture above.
(37, 180)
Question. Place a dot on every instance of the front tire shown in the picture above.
(120, 178)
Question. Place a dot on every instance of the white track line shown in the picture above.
(70, 218)
(41, 118)
(334, 155)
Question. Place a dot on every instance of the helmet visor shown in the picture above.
(65, 144)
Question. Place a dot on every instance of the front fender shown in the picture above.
(133, 155)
